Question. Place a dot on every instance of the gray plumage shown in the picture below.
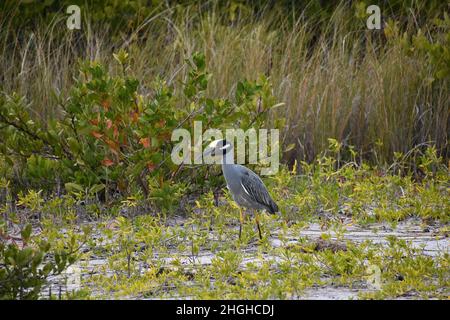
(247, 189)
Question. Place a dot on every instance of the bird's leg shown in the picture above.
(257, 224)
(241, 222)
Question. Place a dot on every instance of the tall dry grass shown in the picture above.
(337, 79)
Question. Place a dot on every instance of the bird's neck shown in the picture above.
(227, 166)
(228, 159)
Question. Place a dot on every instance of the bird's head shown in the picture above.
(216, 150)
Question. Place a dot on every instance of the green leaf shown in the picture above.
(71, 187)
(96, 188)
(199, 61)
(73, 144)
(26, 233)
(24, 256)
(289, 147)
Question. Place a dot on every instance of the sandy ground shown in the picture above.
(426, 238)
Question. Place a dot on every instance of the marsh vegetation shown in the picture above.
(92, 207)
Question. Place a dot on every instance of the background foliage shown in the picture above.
(106, 121)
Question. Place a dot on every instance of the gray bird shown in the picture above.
(246, 188)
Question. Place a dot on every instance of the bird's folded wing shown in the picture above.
(255, 189)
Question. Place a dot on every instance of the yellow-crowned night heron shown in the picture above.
(246, 188)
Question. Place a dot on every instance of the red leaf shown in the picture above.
(96, 134)
(107, 162)
(116, 132)
(105, 104)
(134, 116)
(145, 142)
(160, 124)
(108, 124)
(151, 166)
(113, 146)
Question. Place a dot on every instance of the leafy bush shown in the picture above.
(26, 263)
(432, 42)
(110, 135)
